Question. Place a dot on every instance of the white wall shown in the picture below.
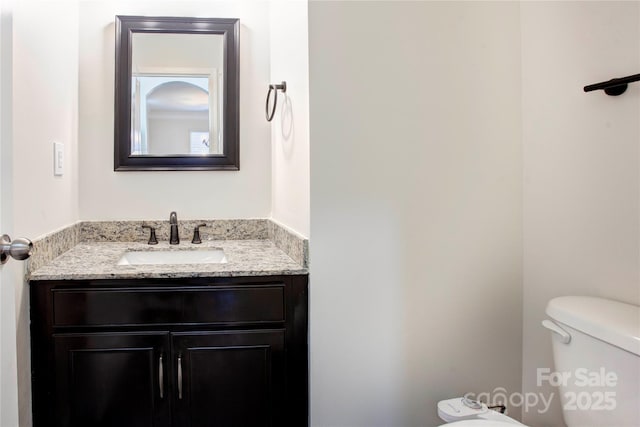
(45, 109)
(416, 213)
(290, 125)
(581, 166)
(42, 103)
(105, 194)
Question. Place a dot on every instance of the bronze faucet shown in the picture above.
(174, 238)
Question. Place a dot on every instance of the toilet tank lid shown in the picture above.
(613, 322)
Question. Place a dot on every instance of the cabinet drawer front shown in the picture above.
(236, 305)
(126, 306)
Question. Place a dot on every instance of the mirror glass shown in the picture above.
(176, 94)
(177, 88)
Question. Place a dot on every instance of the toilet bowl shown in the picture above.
(464, 412)
(481, 423)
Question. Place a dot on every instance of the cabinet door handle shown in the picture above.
(161, 375)
(179, 376)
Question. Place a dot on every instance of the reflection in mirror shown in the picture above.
(176, 85)
(176, 93)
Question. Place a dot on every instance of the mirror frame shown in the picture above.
(125, 26)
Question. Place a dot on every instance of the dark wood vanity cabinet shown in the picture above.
(242, 375)
(170, 352)
(105, 379)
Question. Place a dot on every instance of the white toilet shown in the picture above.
(464, 412)
(483, 423)
(596, 349)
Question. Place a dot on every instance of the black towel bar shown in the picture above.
(613, 87)
(274, 88)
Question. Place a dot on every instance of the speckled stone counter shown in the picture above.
(99, 260)
(91, 249)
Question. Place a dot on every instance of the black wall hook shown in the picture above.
(274, 88)
(613, 87)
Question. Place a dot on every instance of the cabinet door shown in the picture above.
(112, 379)
(229, 379)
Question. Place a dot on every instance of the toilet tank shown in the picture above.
(596, 351)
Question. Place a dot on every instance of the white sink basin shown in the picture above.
(205, 256)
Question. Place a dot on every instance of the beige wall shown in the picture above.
(139, 195)
(416, 208)
(581, 166)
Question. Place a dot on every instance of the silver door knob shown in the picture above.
(19, 249)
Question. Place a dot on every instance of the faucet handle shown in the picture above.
(196, 234)
(152, 235)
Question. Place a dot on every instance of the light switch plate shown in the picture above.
(58, 158)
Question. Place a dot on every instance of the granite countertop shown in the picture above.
(89, 261)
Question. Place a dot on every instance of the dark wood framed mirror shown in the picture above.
(177, 94)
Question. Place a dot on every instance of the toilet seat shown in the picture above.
(480, 423)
